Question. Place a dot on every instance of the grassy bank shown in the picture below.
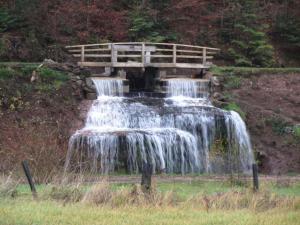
(169, 203)
(247, 71)
(49, 212)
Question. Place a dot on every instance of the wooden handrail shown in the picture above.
(144, 54)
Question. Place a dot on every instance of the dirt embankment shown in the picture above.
(272, 107)
(36, 121)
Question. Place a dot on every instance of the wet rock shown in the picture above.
(91, 96)
(215, 81)
(89, 83)
(219, 97)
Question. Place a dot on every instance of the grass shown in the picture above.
(232, 106)
(48, 212)
(244, 71)
(199, 203)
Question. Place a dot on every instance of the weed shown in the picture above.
(296, 131)
(233, 82)
(66, 193)
(232, 106)
(48, 74)
(8, 187)
(99, 194)
(278, 125)
(7, 73)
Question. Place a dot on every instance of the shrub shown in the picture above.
(278, 125)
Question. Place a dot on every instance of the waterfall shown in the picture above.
(182, 133)
(108, 87)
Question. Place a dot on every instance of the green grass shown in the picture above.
(7, 73)
(242, 71)
(232, 106)
(23, 210)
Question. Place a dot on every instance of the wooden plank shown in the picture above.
(193, 57)
(129, 56)
(164, 50)
(92, 56)
(190, 51)
(161, 56)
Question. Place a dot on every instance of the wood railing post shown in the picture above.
(143, 54)
(204, 56)
(174, 54)
(82, 53)
(114, 56)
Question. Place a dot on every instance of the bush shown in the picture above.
(278, 125)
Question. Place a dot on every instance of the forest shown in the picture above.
(249, 32)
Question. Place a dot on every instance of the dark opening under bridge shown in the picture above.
(143, 54)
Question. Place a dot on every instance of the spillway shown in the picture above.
(181, 133)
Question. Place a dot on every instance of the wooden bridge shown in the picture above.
(143, 54)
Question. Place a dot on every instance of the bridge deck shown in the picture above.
(143, 54)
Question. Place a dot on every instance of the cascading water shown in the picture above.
(182, 133)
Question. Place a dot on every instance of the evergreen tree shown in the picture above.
(249, 42)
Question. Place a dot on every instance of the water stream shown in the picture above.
(182, 133)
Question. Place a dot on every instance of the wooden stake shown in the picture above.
(255, 177)
(29, 178)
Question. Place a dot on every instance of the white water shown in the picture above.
(176, 134)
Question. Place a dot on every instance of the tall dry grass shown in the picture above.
(101, 194)
(8, 186)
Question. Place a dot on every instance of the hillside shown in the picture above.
(250, 33)
(37, 118)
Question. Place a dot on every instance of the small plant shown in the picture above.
(233, 82)
(6, 73)
(278, 125)
(8, 187)
(66, 193)
(48, 74)
(232, 106)
(99, 194)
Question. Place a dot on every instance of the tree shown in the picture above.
(248, 41)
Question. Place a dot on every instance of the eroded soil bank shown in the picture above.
(270, 104)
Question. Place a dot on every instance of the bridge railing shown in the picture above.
(143, 54)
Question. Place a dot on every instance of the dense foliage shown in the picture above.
(246, 30)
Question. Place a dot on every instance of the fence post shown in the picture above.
(174, 54)
(204, 56)
(82, 54)
(255, 177)
(29, 178)
(146, 177)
